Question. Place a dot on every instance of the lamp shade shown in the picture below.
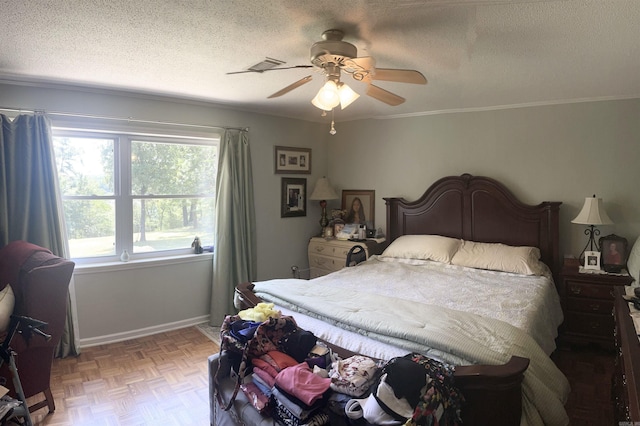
(347, 95)
(323, 190)
(327, 97)
(592, 213)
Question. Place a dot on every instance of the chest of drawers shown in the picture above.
(626, 375)
(587, 303)
(330, 255)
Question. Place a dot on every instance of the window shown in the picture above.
(148, 194)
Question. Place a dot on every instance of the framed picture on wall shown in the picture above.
(292, 160)
(293, 198)
(359, 205)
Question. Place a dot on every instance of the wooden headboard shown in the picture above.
(477, 208)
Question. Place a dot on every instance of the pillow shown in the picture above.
(424, 247)
(499, 257)
(7, 301)
(633, 263)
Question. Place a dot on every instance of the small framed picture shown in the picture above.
(591, 260)
(614, 253)
(292, 160)
(293, 197)
(359, 205)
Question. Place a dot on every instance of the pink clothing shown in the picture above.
(300, 382)
(264, 365)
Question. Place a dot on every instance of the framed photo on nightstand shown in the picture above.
(591, 260)
(614, 252)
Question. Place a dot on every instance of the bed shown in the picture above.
(499, 339)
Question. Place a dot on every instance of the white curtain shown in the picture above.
(234, 255)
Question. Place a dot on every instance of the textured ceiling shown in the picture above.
(475, 54)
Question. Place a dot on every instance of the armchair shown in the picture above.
(40, 282)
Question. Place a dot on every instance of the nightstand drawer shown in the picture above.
(594, 291)
(589, 324)
(596, 306)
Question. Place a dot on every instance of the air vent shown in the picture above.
(267, 64)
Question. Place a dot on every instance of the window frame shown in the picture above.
(122, 196)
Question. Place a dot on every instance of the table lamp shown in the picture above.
(592, 214)
(323, 192)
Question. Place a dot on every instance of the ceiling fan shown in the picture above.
(332, 56)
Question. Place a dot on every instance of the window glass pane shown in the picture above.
(90, 227)
(172, 168)
(85, 165)
(171, 223)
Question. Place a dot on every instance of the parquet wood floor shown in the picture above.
(162, 380)
(589, 371)
(155, 380)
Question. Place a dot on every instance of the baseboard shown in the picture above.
(134, 334)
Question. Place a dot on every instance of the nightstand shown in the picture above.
(330, 255)
(587, 303)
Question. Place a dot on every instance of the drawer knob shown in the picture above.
(576, 289)
(320, 261)
(595, 325)
(319, 249)
(594, 306)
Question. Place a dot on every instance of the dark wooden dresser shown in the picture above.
(587, 303)
(626, 376)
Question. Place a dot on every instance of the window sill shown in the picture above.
(91, 268)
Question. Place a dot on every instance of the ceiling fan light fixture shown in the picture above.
(328, 97)
(347, 95)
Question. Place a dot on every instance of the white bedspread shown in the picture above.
(465, 315)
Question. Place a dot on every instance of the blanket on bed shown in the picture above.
(463, 338)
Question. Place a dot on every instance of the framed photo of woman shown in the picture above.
(614, 252)
(359, 205)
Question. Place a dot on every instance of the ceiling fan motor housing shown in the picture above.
(332, 49)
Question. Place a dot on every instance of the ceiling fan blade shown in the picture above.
(363, 63)
(291, 87)
(400, 76)
(384, 95)
(270, 69)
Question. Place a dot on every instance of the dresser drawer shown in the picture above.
(596, 306)
(335, 250)
(330, 255)
(327, 263)
(320, 248)
(583, 289)
(589, 324)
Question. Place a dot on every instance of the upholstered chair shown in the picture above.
(40, 283)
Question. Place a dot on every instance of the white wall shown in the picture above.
(546, 153)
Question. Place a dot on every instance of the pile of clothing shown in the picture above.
(303, 384)
(412, 390)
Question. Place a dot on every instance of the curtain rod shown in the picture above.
(127, 119)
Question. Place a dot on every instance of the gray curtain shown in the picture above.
(234, 255)
(30, 200)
